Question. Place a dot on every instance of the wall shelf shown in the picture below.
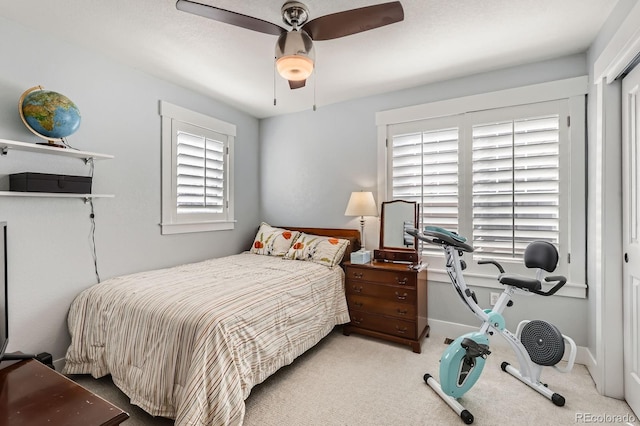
(52, 195)
(8, 145)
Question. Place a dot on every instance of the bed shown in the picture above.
(190, 342)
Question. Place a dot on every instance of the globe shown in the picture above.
(48, 114)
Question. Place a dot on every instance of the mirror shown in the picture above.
(395, 243)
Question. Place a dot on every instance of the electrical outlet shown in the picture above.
(494, 298)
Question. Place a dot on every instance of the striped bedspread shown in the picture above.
(190, 342)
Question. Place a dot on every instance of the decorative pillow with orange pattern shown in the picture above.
(273, 241)
(326, 251)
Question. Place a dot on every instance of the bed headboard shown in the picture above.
(353, 235)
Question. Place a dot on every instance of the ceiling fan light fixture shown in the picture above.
(295, 56)
(295, 67)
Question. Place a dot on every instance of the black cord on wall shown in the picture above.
(92, 217)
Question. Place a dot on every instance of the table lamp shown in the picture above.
(361, 204)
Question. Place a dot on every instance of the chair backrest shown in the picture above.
(541, 254)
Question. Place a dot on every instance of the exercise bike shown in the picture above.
(536, 343)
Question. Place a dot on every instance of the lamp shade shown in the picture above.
(361, 204)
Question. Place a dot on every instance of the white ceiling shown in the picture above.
(438, 40)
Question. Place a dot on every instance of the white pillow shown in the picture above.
(326, 251)
(272, 241)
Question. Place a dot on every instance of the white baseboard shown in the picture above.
(590, 361)
(452, 330)
(594, 371)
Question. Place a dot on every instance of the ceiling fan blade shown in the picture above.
(229, 17)
(354, 21)
(297, 84)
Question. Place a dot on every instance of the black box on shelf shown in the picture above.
(43, 182)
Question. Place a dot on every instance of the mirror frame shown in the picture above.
(400, 254)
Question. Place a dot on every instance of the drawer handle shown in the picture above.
(358, 275)
(402, 296)
(357, 289)
(402, 281)
(402, 311)
(401, 330)
(357, 304)
(356, 321)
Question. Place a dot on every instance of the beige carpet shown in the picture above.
(355, 380)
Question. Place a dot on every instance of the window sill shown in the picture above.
(570, 289)
(184, 228)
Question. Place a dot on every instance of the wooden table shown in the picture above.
(32, 394)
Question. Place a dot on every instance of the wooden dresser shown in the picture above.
(388, 301)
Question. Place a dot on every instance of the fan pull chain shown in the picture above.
(315, 79)
(274, 81)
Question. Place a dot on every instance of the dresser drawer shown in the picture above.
(381, 306)
(391, 293)
(404, 278)
(384, 324)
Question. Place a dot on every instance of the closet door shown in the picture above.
(631, 236)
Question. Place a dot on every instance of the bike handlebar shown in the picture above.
(492, 262)
(561, 281)
(440, 236)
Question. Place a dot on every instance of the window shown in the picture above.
(502, 176)
(197, 161)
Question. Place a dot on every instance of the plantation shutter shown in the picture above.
(500, 172)
(201, 163)
(425, 170)
(516, 185)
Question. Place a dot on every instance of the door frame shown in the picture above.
(605, 260)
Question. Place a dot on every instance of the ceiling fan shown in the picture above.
(294, 49)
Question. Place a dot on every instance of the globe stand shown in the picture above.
(52, 144)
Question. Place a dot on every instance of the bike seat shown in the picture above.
(520, 281)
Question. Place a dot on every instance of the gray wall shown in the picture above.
(309, 172)
(50, 257)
